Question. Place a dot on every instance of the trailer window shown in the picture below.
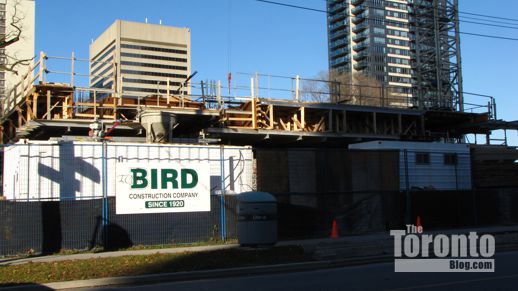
(450, 159)
(422, 158)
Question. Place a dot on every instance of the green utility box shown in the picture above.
(257, 219)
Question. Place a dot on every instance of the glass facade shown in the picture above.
(377, 39)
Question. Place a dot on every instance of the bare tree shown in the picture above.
(317, 89)
(13, 34)
(344, 88)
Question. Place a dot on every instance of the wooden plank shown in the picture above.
(239, 119)
(86, 115)
(238, 112)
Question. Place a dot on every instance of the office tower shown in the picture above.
(410, 47)
(20, 53)
(141, 59)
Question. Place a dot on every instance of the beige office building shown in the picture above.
(141, 59)
(21, 50)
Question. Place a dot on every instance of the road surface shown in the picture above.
(367, 277)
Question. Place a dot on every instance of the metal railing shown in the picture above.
(212, 95)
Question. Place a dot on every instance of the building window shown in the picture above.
(450, 159)
(422, 158)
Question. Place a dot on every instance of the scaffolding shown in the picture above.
(40, 108)
(437, 61)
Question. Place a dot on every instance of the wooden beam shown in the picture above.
(239, 119)
(49, 110)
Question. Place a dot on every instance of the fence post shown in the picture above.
(408, 198)
(105, 209)
(223, 219)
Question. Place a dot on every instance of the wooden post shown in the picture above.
(29, 109)
(64, 108)
(35, 105)
(303, 118)
(48, 104)
(270, 109)
(42, 67)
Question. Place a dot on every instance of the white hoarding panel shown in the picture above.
(50, 170)
(162, 187)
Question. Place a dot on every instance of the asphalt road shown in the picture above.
(367, 277)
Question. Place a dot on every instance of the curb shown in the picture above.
(207, 274)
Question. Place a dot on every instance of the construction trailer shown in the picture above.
(427, 166)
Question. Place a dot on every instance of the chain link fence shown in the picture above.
(62, 195)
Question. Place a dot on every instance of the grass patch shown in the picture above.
(149, 264)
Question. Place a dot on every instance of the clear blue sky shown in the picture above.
(272, 39)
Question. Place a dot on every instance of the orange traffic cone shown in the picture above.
(418, 223)
(334, 230)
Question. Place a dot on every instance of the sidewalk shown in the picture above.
(85, 256)
(330, 253)
(379, 243)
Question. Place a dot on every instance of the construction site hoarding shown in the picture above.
(51, 170)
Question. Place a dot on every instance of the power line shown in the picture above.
(490, 36)
(385, 21)
(486, 20)
(487, 24)
(489, 16)
(292, 6)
